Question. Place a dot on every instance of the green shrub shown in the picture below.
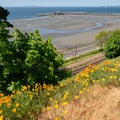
(26, 59)
(112, 45)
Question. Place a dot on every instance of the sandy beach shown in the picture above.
(70, 31)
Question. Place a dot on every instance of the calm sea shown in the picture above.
(31, 12)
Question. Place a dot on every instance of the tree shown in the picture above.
(26, 58)
(3, 18)
(112, 45)
(5, 52)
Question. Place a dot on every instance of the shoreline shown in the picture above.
(74, 13)
(65, 30)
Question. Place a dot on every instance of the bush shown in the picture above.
(28, 59)
(112, 45)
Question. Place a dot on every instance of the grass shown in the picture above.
(81, 57)
(49, 102)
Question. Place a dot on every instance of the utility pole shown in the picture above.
(75, 53)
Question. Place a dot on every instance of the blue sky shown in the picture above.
(55, 3)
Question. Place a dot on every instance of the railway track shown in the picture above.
(81, 68)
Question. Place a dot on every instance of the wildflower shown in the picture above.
(33, 89)
(64, 103)
(87, 84)
(56, 101)
(94, 81)
(17, 104)
(65, 96)
(84, 89)
(44, 86)
(81, 92)
(24, 88)
(110, 77)
(50, 99)
(48, 108)
(103, 79)
(28, 87)
(0, 111)
(17, 92)
(1, 95)
(74, 86)
(56, 106)
(103, 69)
(14, 110)
(13, 91)
(64, 112)
(11, 96)
(92, 71)
(48, 93)
(31, 96)
(1, 117)
(88, 90)
(8, 105)
(67, 93)
(56, 118)
(115, 77)
(76, 97)
(43, 110)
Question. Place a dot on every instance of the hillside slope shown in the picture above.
(102, 104)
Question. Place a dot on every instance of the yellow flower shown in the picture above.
(8, 105)
(64, 112)
(14, 110)
(48, 93)
(64, 103)
(1, 95)
(48, 108)
(110, 77)
(56, 106)
(43, 110)
(24, 88)
(13, 91)
(50, 99)
(0, 111)
(88, 90)
(17, 92)
(65, 96)
(81, 92)
(76, 97)
(103, 79)
(67, 93)
(17, 104)
(115, 77)
(1, 117)
(31, 96)
(56, 118)
(84, 89)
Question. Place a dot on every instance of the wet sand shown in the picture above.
(70, 31)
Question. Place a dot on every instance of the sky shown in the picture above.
(56, 3)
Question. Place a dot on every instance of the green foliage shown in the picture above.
(112, 46)
(3, 17)
(28, 59)
(102, 37)
(32, 104)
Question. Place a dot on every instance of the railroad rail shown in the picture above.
(79, 69)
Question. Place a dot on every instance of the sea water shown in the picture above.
(31, 12)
